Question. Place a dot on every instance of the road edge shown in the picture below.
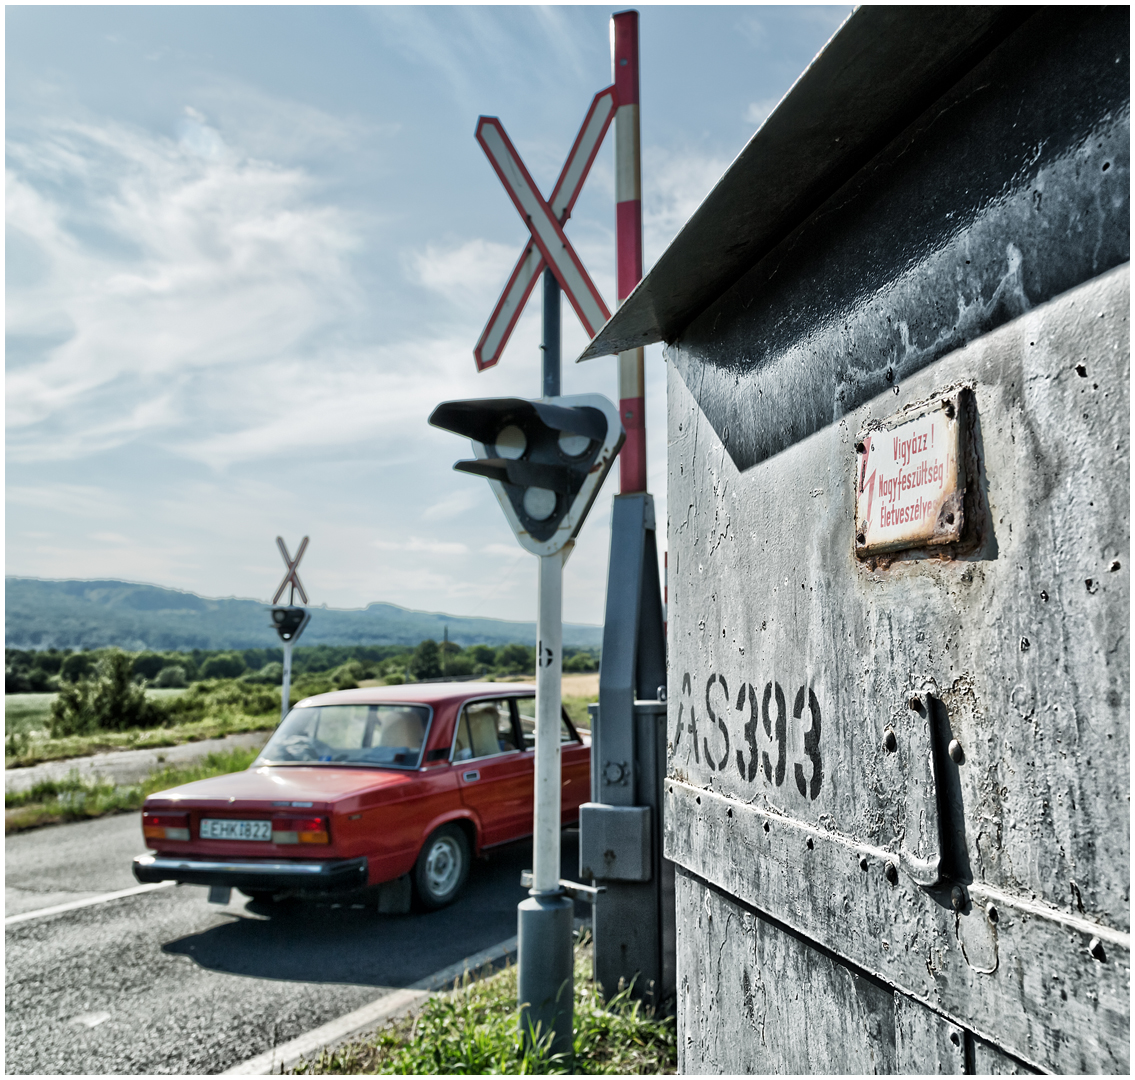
(387, 1007)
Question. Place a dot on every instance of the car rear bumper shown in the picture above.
(328, 876)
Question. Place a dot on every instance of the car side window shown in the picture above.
(526, 713)
(485, 729)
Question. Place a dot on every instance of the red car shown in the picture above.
(361, 787)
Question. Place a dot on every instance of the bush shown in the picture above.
(77, 666)
(458, 665)
(225, 666)
(426, 661)
(581, 662)
(50, 661)
(271, 674)
(516, 659)
(172, 676)
(482, 655)
(147, 665)
(112, 701)
(218, 698)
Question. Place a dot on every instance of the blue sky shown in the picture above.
(250, 248)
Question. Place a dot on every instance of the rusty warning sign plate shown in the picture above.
(909, 491)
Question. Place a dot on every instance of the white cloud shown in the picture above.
(453, 505)
(423, 544)
(675, 185)
(759, 111)
(471, 274)
(163, 262)
(503, 550)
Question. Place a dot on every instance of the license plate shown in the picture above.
(230, 829)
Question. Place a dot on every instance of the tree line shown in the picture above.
(46, 670)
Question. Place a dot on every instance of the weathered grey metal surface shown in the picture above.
(1012, 189)
(925, 1043)
(884, 66)
(615, 842)
(988, 1060)
(790, 658)
(633, 921)
(776, 1011)
(634, 650)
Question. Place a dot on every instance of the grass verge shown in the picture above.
(473, 1030)
(40, 747)
(52, 802)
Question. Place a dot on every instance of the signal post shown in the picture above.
(290, 621)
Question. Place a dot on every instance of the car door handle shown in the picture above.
(470, 776)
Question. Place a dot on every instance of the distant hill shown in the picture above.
(42, 614)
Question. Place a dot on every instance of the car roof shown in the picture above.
(434, 694)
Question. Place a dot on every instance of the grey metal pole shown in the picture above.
(544, 921)
(286, 689)
(545, 986)
(551, 345)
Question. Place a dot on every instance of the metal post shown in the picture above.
(544, 947)
(628, 243)
(286, 688)
(551, 345)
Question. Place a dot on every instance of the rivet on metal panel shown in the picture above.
(890, 743)
(892, 872)
(1095, 947)
(957, 754)
(958, 898)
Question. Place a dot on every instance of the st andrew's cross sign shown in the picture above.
(292, 576)
(549, 246)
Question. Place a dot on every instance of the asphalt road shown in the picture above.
(164, 982)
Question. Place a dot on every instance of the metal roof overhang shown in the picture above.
(880, 70)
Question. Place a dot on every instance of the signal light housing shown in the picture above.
(545, 459)
(289, 622)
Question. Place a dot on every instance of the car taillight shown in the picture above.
(165, 826)
(300, 831)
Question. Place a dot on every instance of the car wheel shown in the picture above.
(442, 867)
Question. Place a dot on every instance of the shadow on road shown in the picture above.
(316, 942)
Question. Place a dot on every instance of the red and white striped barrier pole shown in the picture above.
(628, 242)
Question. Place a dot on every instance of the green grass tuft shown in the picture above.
(473, 1030)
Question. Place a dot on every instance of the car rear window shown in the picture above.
(378, 735)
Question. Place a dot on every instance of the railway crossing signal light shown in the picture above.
(290, 622)
(545, 459)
